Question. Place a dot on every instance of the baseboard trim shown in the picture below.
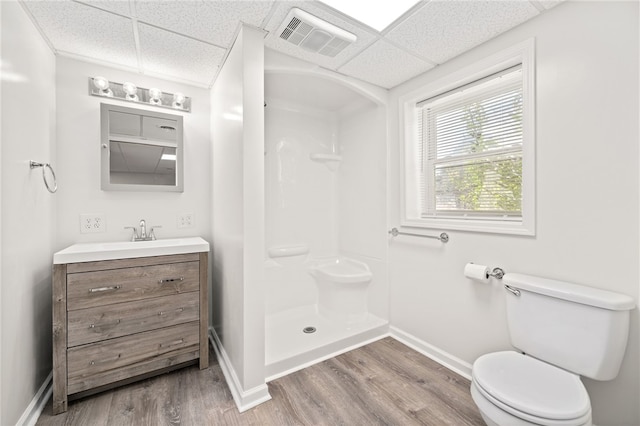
(244, 400)
(453, 363)
(35, 407)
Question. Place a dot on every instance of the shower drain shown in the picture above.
(309, 330)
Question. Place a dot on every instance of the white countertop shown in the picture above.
(90, 252)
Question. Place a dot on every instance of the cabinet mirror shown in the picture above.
(141, 150)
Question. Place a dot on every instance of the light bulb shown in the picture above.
(131, 90)
(102, 84)
(155, 95)
(178, 99)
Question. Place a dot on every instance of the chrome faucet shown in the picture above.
(143, 230)
(142, 235)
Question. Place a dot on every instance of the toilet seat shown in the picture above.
(531, 389)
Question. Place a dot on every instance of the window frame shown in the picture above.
(522, 53)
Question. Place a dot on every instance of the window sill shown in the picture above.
(472, 225)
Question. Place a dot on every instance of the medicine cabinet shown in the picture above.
(141, 150)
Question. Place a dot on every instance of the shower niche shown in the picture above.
(325, 204)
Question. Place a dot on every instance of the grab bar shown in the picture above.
(444, 237)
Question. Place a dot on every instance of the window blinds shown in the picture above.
(470, 149)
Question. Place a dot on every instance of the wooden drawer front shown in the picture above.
(111, 321)
(92, 289)
(113, 360)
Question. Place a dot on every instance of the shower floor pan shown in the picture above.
(289, 348)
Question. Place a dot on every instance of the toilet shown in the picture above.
(562, 331)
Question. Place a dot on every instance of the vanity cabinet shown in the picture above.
(121, 320)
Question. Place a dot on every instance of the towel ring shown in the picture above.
(33, 165)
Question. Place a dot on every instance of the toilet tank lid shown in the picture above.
(572, 292)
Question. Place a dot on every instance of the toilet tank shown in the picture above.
(580, 329)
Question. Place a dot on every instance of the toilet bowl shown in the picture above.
(513, 389)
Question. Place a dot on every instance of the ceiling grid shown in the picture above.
(187, 41)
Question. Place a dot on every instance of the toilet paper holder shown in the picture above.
(497, 273)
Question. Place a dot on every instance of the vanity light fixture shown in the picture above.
(130, 92)
(171, 157)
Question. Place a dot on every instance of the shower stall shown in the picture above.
(325, 188)
(299, 235)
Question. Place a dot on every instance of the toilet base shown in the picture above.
(495, 416)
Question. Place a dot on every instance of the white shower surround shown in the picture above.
(304, 205)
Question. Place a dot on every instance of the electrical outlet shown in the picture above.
(90, 223)
(185, 220)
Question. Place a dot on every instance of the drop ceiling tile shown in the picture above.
(82, 30)
(120, 7)
(275, 42)
(173, 55)
(213, 21)
(442, 29)
(385, 65)
(548, 4)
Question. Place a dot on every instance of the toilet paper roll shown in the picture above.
(476, 272)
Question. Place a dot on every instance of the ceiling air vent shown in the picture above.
(314, 34)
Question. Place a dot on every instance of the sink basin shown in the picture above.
(90, 252)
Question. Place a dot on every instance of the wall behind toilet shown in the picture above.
(587, 197)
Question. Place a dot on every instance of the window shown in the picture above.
(469, 149)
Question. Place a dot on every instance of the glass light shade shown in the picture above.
(101, 83)
(178, 99)
(155, 94)
(131, 90)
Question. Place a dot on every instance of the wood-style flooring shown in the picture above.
(383, 383)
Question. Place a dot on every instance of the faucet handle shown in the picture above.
(134, 235)
(152, 234)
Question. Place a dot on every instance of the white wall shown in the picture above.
(587, 197)
(78, 120)
(28, 211)
(238, 214)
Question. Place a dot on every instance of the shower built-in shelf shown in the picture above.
(332, 161)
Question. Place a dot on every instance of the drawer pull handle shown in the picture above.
(177, 311)
(106, 324)
(170, 280)
(117, 357)
(175, 342)
(101, 289)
